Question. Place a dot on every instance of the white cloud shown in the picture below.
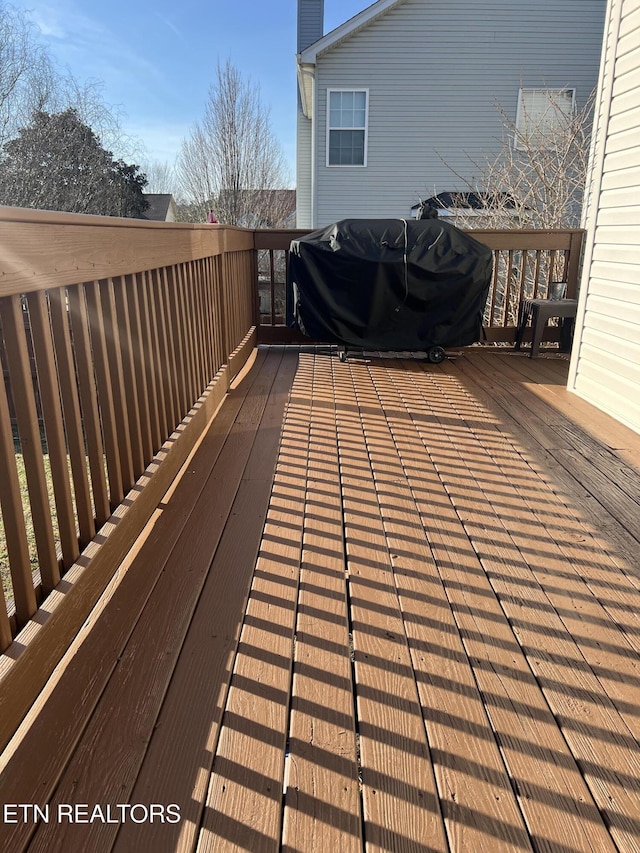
(171, 26)
(89, 47)
(47, 23)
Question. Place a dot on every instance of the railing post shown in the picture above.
(574, 264)
(14, 530)
(223, 302)
(256, 284)
(15, 340)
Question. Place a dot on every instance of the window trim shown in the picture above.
(329, 128)
(522, 146)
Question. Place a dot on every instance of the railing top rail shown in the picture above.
(44, 249)
(495, 238)
(56, 217)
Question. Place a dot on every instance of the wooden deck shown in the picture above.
(421, 633)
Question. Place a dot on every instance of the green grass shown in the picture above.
(5, 573)
(33, 555)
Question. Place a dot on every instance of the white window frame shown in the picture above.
(521, 130)
(365, 128)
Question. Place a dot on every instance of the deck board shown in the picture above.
(543, 772)
(401, 809)
(571, 688)
(389, 606)
(244, 801)
(186, 733)
(322, 800)
(41, 749)
(474, 789)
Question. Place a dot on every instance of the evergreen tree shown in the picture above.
(57, 162)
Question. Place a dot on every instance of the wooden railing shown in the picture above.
(119, 340)
(525, 262)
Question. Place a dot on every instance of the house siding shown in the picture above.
(605, 365)
(304, 211)
(436, 71)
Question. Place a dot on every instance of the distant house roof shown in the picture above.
(469, 201)
(468, 204)
(282, 201)
(280, 204)
(162, 207)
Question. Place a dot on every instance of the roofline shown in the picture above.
(309, 55)
(306, 76)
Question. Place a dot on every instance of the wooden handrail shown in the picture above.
(525, 262)
(118, 340)
(41, 251)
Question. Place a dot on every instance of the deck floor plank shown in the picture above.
(186, 732)
(389, 605)
(57, 721)
(541, 524)
(578, 412)
(597, 467)
(597, 440)
(244, 801)
(322, 798)
(504, 400)
(106, 763)
(477, 799)
(559, 661)
(545, 776)
(605, 551)
(401, 807)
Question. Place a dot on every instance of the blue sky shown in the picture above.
(157, 58)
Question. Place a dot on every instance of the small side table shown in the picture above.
(540, 311)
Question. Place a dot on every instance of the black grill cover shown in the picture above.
(389, 284)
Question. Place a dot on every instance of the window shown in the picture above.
(542, 114)
(347, 127)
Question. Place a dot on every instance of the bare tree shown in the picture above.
(536, 181)
(27, 76)
(161, 177)
(87, 101)
(538, 178)
(31, 83)
(232, 156)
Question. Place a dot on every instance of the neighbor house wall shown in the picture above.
(436, 71)
(304, 190)
(605, 364)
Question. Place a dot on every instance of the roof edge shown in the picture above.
(310, 54)
(306, 74)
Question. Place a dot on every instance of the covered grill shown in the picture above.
(389, 284)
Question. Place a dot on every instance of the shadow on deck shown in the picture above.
(421, 633)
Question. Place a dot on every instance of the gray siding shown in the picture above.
(303, 170)
(310, 22)
(435, 71)
(605, 367)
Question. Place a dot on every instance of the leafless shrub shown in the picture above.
(538, 178)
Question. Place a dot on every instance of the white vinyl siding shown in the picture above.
(347, 127)
(541, 115)
(606, 352)
(436, 72)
